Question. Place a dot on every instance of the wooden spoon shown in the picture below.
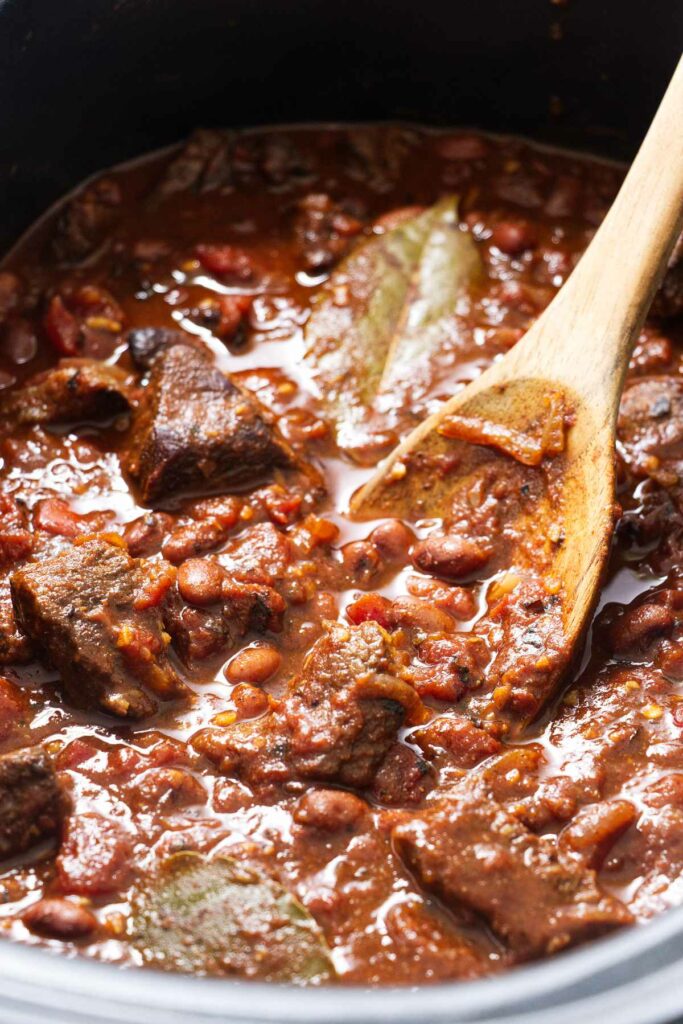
(578, 350)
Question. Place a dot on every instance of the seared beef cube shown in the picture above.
(75, 389)
(200, 632)
(85, 220)
(337, 721)
(204, 164)
(30, 800)
(480, 859)
(196, 430)
(650, 428)
(89, 613)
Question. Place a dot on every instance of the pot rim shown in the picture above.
(637, 973)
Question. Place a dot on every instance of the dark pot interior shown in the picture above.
(91, 82)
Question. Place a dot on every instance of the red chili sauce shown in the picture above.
(337, 738)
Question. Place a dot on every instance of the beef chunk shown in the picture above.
(336, 722)
(30, 800)
(85, 220)
(75, 389)
(196, 430)
(650, 428)
(204, 164)
(482, 860)
(200, 632)
(88, 614)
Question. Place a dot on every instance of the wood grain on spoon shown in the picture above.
(569, 369)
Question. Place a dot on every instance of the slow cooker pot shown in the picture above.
(87, 83)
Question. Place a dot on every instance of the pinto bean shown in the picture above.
(249, 701)
(200, 581)
(393, 540)
(58, 918)
(361, 561)
(253, 665)
(329, 810)
(451, 557)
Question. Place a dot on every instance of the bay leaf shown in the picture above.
(384, 314)
(220, 917)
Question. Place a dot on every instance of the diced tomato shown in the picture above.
(226, 259)
(61, 327)
(75, 753)
(95, 856)
(53, 515)
(160, 578)
(16, 542)
(13, 707)
(370, 608)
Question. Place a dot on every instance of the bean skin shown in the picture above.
(253, 665)
(329, 810)
(144, 536)
(59, 919)
(361, 561)
(200, 581)
(451, 557)
(513, 236)
(393, 540)
(249, 701)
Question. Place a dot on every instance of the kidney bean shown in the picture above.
(329, 810)
(144, 536)
(393, 540)
(200, 581)
(514, 236)
(253, 665)
(19, 342)
(58, 918)
(451, 557)
(361, 561)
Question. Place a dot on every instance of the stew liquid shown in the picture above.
(243, 734)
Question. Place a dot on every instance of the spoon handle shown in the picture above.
(598, 314)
